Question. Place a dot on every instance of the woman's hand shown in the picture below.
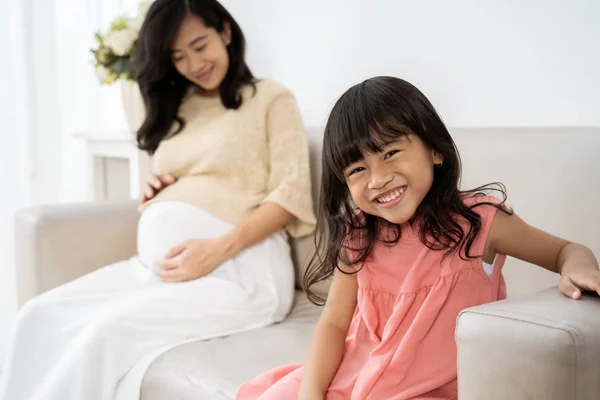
(193, 259)
(154, 184)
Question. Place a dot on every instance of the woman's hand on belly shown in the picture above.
(154, 184)
(192, 259)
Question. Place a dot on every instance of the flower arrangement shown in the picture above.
(115, 47)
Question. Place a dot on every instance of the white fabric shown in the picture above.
(80, 340)
(488, 268)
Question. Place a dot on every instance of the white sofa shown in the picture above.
(536, 345)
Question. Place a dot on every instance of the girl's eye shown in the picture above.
(390, 153)
(356, 170)
(177, 59)
(200, 49)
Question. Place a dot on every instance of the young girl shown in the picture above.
(408, 251)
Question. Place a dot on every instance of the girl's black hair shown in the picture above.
(368, 116)
(162, 87)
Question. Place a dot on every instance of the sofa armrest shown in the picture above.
(58, 243)
(543, 346)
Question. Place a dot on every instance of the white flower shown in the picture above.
(105, 75)
(121, 42)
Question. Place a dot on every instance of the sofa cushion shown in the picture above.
(302, 252)
(214, 369)
(303, 248)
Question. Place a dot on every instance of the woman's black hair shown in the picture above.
(365, 119)
(162, 87)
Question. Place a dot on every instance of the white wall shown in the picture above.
(481, 62)
(15, 152)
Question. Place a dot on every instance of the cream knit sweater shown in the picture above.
(228, 162)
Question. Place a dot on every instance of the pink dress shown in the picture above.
(400, 344)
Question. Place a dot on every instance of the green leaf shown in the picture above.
(121, 66)
(119, 24)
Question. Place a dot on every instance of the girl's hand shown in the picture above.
(154, 184)
(576, 279)
(192, 259)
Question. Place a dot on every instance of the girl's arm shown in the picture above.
(576, 263)
(329, 339)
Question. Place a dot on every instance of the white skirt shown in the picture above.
(94, 338)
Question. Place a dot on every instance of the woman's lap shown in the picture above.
(125, 309)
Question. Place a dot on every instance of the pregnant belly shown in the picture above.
(165, 224)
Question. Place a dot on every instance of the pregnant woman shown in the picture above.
(213, 257)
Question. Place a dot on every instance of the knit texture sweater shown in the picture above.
(229, 162)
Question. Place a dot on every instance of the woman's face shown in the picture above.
(199, 53)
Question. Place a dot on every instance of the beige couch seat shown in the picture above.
(207, 367)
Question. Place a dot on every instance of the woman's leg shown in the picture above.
(47, 324)
(80, 340)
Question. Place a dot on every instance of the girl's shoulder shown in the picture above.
(485, 205)
(482, 200)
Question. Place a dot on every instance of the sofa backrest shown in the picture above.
(552, 178)
(303, 248)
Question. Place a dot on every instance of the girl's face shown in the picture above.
(393, 183)
(200, 54)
